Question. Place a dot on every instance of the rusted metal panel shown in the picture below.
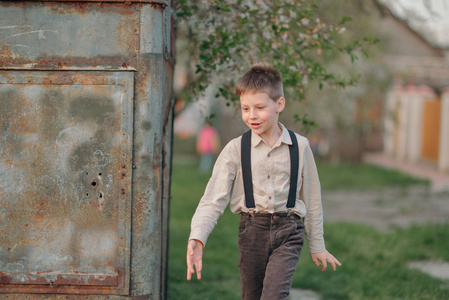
(85, 154)
(69, 36)
(65, 181)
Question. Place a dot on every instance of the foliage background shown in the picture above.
(327, 52)
(219, 40)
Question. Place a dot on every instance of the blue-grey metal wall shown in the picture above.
(85, 127)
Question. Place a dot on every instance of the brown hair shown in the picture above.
(261, 78)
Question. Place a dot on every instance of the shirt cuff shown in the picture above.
(198, 237)
(316, 246)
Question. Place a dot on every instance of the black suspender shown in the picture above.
(294, 163)
(246, 170)
(247, 176)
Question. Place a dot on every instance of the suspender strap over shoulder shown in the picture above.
(294, 163)
(247, 176)
(246, 169)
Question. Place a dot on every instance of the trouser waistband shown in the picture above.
(274, 216)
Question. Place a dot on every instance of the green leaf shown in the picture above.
(345, 19)
(371, 40)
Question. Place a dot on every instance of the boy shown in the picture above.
(253, 173)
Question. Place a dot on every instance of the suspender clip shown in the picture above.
(289, 212)
(251, 211)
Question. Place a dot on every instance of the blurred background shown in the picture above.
(380, 137)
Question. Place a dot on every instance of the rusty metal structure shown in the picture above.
(85, 127)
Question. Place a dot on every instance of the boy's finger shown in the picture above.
(189, 267)
(198, 267)
(334, 267)
(334, 262)
(189, 273)
(324, 262)
(316, 262)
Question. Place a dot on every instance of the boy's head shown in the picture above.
(261, 101)
(261, 78)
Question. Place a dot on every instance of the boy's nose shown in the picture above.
(253, 114)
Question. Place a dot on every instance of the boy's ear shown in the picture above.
(281, 104)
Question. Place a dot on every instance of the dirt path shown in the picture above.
(385, 209)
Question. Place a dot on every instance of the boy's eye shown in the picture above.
(260, 107)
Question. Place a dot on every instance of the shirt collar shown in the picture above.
(285, 138)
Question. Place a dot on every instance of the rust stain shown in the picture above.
(5, 53)
(106, 62)
(82, 7)
(4, 279)
(157, 172)
(58, 289)
(158, 5)
(39, 278)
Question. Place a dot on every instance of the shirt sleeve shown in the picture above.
(310, 192)
(216, 196)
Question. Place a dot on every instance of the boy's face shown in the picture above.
(261, 113)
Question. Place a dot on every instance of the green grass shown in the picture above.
(220, 273)
(345, 176)
(374, 263)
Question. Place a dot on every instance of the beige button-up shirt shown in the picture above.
(270, 168)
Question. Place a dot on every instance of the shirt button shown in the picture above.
(268, 176)
(269, 197)
(269, 155)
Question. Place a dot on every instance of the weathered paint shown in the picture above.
(85, 154)
(146, 233)
(65, 158)
(67, 36)
(167, 167)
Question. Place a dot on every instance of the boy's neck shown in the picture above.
(272, 137)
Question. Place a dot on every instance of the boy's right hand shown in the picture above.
(194, 258)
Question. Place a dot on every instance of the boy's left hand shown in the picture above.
(324, 257)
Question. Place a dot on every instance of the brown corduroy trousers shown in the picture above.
(269, 246)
